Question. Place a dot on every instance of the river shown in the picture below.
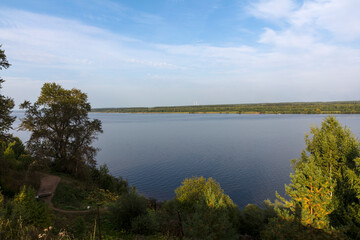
(247, 154)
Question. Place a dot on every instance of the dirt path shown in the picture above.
(48, 185)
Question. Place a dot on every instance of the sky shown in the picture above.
(177, 52)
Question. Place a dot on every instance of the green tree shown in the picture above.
(325, 189)
(310, 192)
(62, 132)
(6, 103)
(206, 211)
(199, 189)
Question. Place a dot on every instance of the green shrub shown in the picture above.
(205, 212)
(79, 227)
(281, 229)
(126, 208)
(26, 207)
(104, 180)
(209, 223)
(70, 197)
(253, 219)
(145, 224)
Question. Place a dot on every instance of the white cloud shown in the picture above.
(286, 39)
(340, 17)
(273, 9)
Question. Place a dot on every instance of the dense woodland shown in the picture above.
(322, 202)
(349, 107)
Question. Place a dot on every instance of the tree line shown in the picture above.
(344, 107)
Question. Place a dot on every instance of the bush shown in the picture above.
(126, 209)
(26, 207)
(204, 210)
(68, 196)
(145, 224)
(106, 181)
(253, 219)
(280, 229)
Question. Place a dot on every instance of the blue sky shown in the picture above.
(176, 52)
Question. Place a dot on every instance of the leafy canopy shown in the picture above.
(6, 103)
(325, 188)
(62, 132)
(205, 211)
(197, 189)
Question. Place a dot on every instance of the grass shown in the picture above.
(70, 197)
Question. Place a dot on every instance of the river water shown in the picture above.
(247, 154)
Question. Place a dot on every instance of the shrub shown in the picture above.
(26, 207)
(253, 219)
(280, 229)
(145, 224)
(205, 211)
(106, 181)
(126, 208)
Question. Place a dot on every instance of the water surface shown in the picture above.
(247, 154)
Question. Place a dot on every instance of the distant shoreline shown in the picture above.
(343, 107)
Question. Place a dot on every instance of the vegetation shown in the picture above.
(350, 107)
(323, 197)
(205, 210)
(62, 132)
(6, 103)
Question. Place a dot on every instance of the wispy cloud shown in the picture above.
(47, 40)
(121, 11)
(272, 9)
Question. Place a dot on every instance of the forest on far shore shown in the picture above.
(341, 107)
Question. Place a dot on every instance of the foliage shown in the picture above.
(198, 189)
(209, 223)
(62, 132)
(311, 195)
(126, 209)
(101, 197)
(70, 197)
(17, 229)
(102, 178)
(146, 224)
(31, 211)
(325, 189)
(1, 200)
(205, 210)
(253, 219)
(170, 219)
(282, 229)
(14, 163)
(6, 103)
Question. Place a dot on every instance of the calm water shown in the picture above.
(247, 154)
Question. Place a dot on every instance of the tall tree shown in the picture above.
(62, 132)
(6, 103)
(331, 164)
